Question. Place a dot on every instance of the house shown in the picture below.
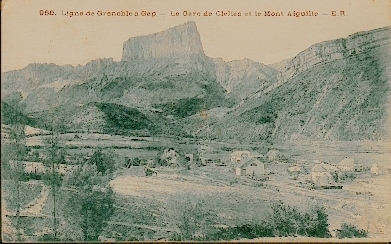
(240, 156)
(273, 155)
(170, 157)
(295, 169)
(323, 174)
(380, 168)
(348, 164)
(250, 167)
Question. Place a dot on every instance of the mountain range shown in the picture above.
(166, 85)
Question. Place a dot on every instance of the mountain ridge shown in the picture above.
(345, 98)
(166, 77)
(331, 50)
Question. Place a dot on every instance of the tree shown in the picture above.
(286, 219)
(104, 163)
(18, 147)
(88, 202)
(318, 226)
(195, 219)
(96, 209)
(54, 156)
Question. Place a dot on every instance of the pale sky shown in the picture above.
(28, 37)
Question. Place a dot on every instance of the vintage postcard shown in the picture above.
(223, 120)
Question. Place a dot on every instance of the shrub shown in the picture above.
(288, 221)
(248, 231)
(175, 237)
(351, 231)
(284, 220)
(348, 176)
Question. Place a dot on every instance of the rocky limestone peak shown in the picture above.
(181, 41)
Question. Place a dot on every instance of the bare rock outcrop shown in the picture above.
(243, 77)
(329, 51)
(180, 41)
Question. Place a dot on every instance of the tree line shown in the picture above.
(198, 223)
(81, 201)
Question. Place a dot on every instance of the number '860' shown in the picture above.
(46, 12)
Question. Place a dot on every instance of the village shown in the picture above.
(272, 166)
(160, 169)
(202, 167)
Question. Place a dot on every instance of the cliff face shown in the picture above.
(243, 77)
(335, 90)
(180, 42)
(177, 50)
(329, 51)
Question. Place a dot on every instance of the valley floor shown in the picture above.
(150, 208)
(236, 199)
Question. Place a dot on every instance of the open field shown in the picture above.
(365, 152)
(149, 208)
(238, 200)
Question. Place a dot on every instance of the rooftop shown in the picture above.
(347, 162)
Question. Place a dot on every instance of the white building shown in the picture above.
(321, 173)
(240, 156)
(348, 164)
(295, 169)
(380, 168)
(250, 167)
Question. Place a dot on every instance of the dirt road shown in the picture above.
(34, 208)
